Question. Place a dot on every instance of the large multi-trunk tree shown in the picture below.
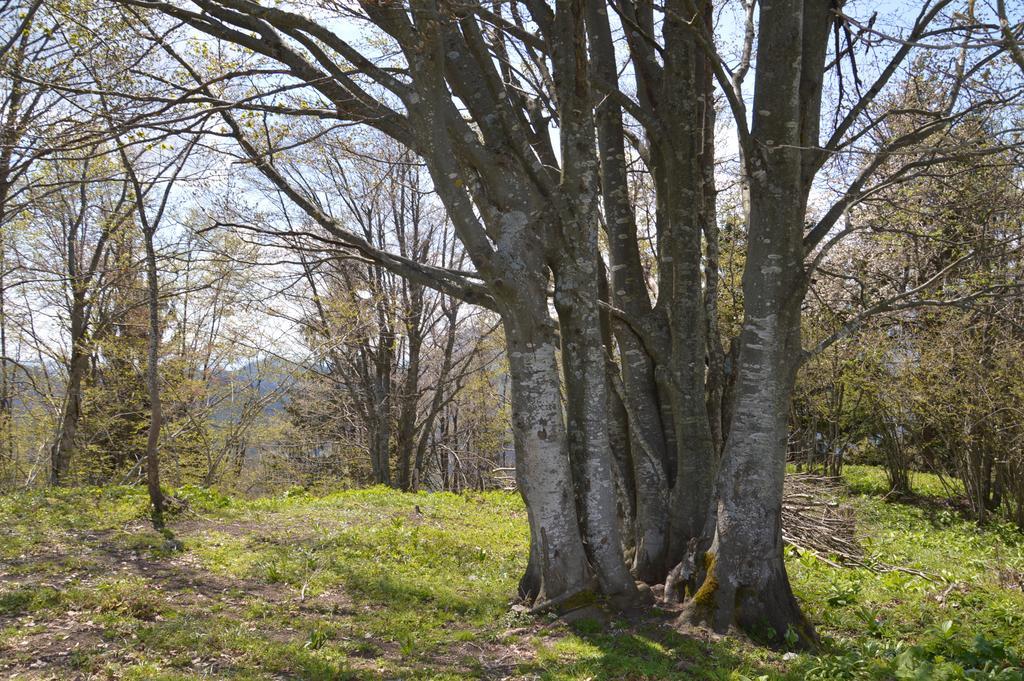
(746, 581)
(636, 433)
(736, 570)
(516, 208)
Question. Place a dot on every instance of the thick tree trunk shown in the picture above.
(558, 571)
(587, 410)
(746, 583)
(679, 181)
(628, 289)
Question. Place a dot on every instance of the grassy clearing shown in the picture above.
(376, 584)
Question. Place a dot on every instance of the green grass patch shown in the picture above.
(375, 584)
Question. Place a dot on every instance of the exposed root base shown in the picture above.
(633, 605)
(565, 602)
(768, 614)
(529, 584)
(649, 571)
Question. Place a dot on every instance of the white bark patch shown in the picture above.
(548, 487)
(513, 228)
(773, 267)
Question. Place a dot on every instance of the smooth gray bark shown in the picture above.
(628, 289)
(746, 583)
(576, 267)
(558, 564)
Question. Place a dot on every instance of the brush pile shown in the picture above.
(814, 521)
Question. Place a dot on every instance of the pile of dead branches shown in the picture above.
(815, 521)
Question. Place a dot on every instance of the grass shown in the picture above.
(375, 584)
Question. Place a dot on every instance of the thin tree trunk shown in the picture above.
(679, 180)
(78, 366)
(576, 271)
(380, 433)
(156, 497)
(427, 428)
(715, 382)
(10, 133)
(625, 484)
(405, 442)
(587, 410)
